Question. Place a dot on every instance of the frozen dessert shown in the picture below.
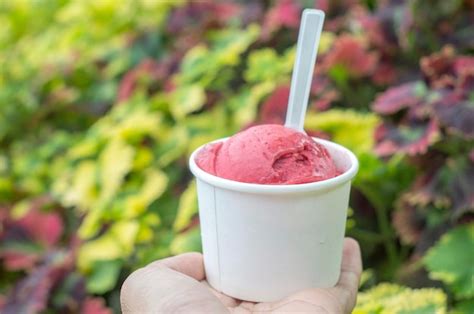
(268, 154)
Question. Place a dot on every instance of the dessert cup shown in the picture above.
(262, 243)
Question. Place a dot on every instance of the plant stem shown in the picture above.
(384, 225)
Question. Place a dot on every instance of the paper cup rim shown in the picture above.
(277, 188)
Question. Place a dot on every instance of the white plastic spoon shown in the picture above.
(306, 51)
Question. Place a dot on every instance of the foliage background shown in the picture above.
(101, 103)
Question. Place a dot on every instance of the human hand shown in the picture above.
(178, 285)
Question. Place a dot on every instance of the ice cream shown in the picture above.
(268, 154)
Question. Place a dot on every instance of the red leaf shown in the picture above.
(14, 261)
(463, 64)
(412, 140)
(375, 28)
(457, 117)
(464, 68)
(224, 11)
(2, 302)
(30, 295)
(396, 99)
(384, 74)
(448, 186)
(147, 68)
(408, 224)
(126, 86)
(323, 92)
(95, 306)
(438, 68)
(285, 13)
(322, 5)
(273, 109)
(351, 53)
(47, 228)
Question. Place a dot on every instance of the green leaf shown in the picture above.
(154, 186)
(366, 277)
(188, 241)
(230, 43)
(194, 64)
(104, 276)
(187, 207)
(466, 306)
(339, 74)
(451, 260)
(265, 65)
(173, 144)
(245, 103)
(204, 66)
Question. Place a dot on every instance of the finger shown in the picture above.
(190, 264)
(351, 266)
(351, 269)
(159, 288)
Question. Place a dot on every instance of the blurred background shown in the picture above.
(102, 101)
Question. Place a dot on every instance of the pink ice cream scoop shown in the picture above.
(268, 154)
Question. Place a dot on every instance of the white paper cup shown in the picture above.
(262, 243)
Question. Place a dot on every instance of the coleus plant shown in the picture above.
(181, 76)
(430, 121)
(36, 248)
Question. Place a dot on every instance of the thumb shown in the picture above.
(157, 288)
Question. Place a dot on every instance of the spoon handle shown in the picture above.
(306, 51)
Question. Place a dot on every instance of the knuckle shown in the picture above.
(131, 285)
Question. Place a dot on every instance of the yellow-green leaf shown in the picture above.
(154, 186)
(91, 224)
(117, 242)
(115, 162)
(20, 209)
(326, 41)
(138, 123)
(187, 207)
(82, 192)
(145, 234)
(86, 148)
(246, 102)
(173, 143)
(125, 233)
(189, 241)
(103, 248)
(265, 65)
(387, 298)
(186, 99)
(352, 129)
(143, 158)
